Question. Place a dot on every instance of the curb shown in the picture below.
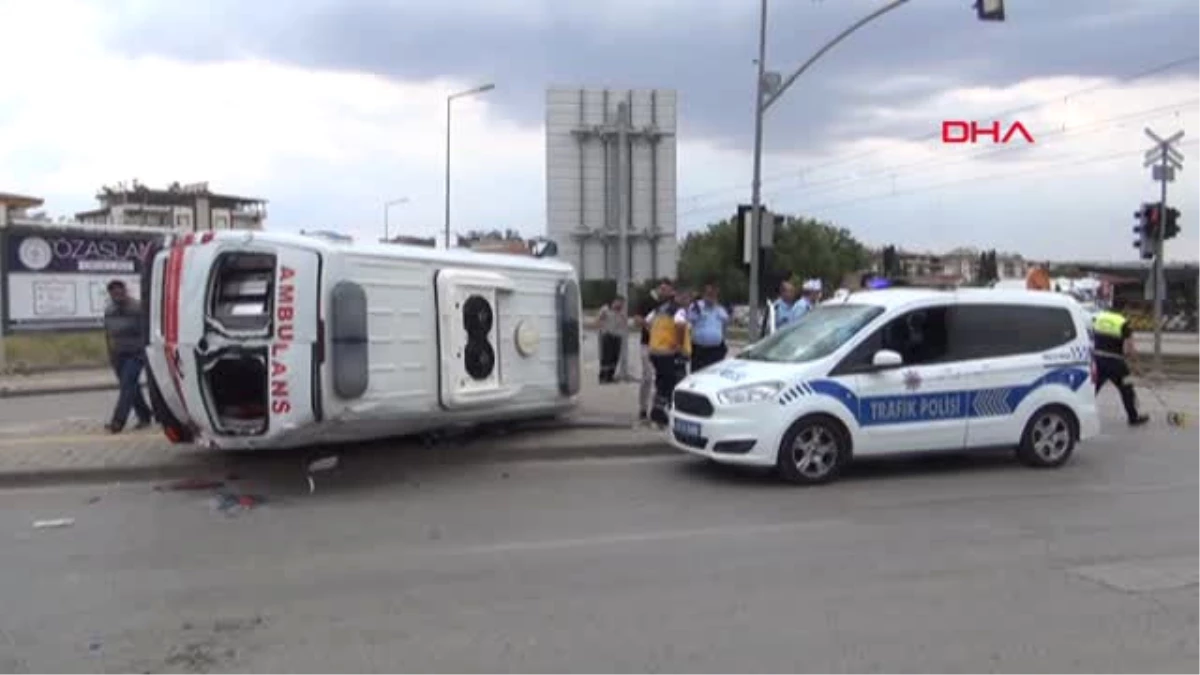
(250, 466)
(62, 390)
(55, 391)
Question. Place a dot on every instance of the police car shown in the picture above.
(898, 371)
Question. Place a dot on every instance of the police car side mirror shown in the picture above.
(886, 358)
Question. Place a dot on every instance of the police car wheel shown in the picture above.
(813, 451)
(1049, 438)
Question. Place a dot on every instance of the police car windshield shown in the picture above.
(815, 335)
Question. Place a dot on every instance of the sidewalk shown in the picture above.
(60, 382)
(1181, 353)
(80, 450)
(603, 426)
(1173, 344)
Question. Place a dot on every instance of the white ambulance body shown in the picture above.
(265, 340)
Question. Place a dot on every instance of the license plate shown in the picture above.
(687, 429)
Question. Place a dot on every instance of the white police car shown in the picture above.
(898, 371)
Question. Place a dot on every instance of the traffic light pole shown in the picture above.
(1158, 266)
(765, 95)
(756, 182)
(1165, 160)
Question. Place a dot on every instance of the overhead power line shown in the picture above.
(1132, 77)
(891, 172)
(988, 178)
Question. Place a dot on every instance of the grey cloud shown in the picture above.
(524, 46)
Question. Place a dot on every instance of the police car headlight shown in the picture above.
(750, 393)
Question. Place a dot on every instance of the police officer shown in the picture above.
(788, 307)
(708, 318)
(1112, 342)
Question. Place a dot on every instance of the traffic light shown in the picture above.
(1154, 221)
(1144, 231)
(989, 10)
(1171, 224)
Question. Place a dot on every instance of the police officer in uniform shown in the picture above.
(1112, 342)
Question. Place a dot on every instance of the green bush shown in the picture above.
(45, 351)
(595, 293)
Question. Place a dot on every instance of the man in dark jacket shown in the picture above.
(124, 328)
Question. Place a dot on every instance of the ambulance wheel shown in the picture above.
(1049, 438)
(813, 451)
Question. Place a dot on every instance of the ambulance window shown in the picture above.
(351, 366)
(568, 337)
(1027, 329)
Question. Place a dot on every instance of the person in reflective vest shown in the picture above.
(1112, 346)
(668, 326)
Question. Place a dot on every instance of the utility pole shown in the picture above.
(449, 100)
(624, 214)
(387, 234)
(1164, 161)
(760, 97)
(770, 86)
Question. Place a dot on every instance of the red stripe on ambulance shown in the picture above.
(174, 279)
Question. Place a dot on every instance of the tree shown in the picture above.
(804, 249)
(891, 263)
(475, 236)
(988, 271)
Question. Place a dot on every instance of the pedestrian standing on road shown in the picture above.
(1112, 348)
(668, 334)
(646, 390)
(686, 301)
(614, 330)
(124, 330)
(784, 310)
(709, 320)
(811, 296)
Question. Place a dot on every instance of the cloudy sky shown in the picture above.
(330, 108)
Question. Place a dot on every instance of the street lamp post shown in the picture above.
(387, 207)
(450, 99)
(768, 90)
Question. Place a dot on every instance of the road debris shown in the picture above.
(191, 484)
(53, 523)
(234, 504)
(323, 464)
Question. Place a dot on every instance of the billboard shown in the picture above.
(610, 167)
(55, 278)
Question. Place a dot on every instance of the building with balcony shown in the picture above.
(426, 242)
(13, 206)
(188, 208)
(955, 267)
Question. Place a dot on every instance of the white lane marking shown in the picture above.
(637, 538)
(572, 464)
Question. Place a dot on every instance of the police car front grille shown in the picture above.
(696, 405)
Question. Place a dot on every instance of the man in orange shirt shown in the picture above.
(1038, 278)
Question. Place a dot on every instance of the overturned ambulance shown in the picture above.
(266, 340)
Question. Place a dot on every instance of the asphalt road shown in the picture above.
(665, 564)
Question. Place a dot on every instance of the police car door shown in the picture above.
(1001, 366)
(920, 404)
